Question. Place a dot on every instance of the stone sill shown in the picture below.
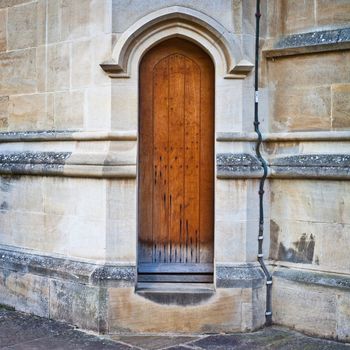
(309, 43)
(314, 278)
(302, 50)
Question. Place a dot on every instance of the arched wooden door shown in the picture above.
(176, 164)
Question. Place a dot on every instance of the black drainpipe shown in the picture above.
(268, 313)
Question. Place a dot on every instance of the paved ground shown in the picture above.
(19, 331)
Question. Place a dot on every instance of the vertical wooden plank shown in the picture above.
(176, 155)
(145, 245)
(160, 160)
(192, 160)
(207, 163)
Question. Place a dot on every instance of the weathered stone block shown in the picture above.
(25, 292)
(317, 201)
(304, 307)
(75, 19)
(3, 43)
(81, 63)
(31, 112)
(129, 312)
(10, 3)
(75, 303)
(53, 21)
(341, 106)
(296, 109)
(84, 231)
(18, 72)
(303, 214)
(273, 17)
(69, 110)
(22, 26)
(25, 195)
(41, 22)
(28, 222)
(334, 13)
(310, 70)
(99, 103)
(315, 302)
(343, 319)
(297, 16)
(101, 46)
(124, 16)
(122, 217)
(58, 67)
(4, 113)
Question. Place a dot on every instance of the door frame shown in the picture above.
(138, 154)
(226, 53)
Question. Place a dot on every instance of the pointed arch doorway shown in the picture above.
(176, 164)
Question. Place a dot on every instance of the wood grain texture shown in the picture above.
(176, 155)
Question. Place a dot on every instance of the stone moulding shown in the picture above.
(284, 136)
(116, 275)
(131, 135)
(183, 22)
(314, 277)
(67, 269)
(244, 276)
(229, 165)
(307, 43)
(60, 164)
(67, 135)
(303, 166)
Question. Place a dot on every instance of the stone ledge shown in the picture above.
(316, 278)
(67, 135)
(240, 276)
(313, 42)
(230, 165)
(324, 166)
(131, 135)
(227, 276)
(284, 136)
(60, 164)
(66, 269)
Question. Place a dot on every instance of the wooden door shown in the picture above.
(176, 159)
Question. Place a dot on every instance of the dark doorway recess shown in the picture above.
(176, 165)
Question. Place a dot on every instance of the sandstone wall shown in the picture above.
(49, 57)
(306, 78)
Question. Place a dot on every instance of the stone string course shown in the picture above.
(294, 166)
(229, 165)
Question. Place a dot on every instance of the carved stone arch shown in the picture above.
(177, 21)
